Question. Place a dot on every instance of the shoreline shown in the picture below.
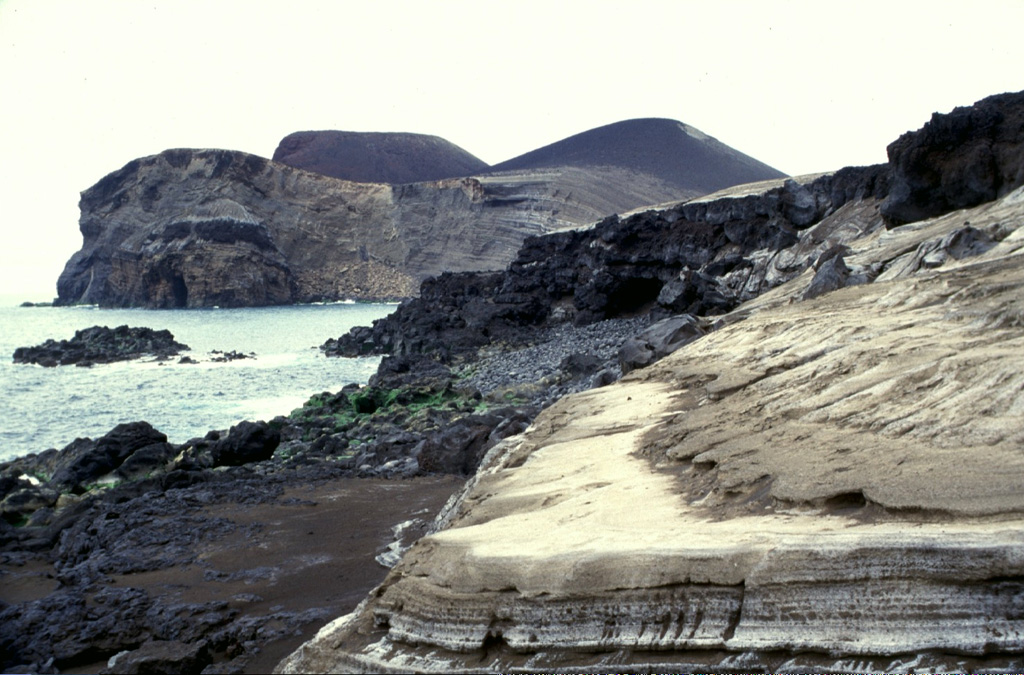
(742, 295)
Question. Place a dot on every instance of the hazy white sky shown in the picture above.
(803, 86)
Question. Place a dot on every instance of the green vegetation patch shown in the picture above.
(340, 410)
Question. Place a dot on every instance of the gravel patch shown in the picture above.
(544, 370)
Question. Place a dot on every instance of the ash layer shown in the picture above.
(828, 478)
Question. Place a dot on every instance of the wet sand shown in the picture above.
(310, 551)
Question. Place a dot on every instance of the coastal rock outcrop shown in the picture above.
(821, 473)
(825, 484)
(100, 344)
(969, 156)
(199, 228)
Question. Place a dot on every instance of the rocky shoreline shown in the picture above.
(96, 539)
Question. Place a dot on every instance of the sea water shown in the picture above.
(50, 407)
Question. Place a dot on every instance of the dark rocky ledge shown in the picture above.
(100, 344)
(702, 257)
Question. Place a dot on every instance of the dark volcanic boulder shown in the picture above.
(100, 344)
(85, 460)
(246, 442)
(658, 341)
(970, 156)
(161, 656)
(146, 461)
(26, 500)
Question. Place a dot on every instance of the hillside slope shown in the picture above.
(369, 157)
(675, 153)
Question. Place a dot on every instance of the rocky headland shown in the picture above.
(775, 428)
(200, 228)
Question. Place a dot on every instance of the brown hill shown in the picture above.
(366, 157)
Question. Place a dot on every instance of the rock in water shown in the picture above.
(100, 344)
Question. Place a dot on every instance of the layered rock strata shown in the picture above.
(197, 228)
(826, 484)
(704, 256)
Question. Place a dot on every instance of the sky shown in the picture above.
(85, 87)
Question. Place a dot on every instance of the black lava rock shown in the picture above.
(100, 344)
(246, 442)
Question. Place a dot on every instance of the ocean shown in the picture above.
(50, 407)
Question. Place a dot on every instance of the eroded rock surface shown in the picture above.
(828, 480)
(816, 484)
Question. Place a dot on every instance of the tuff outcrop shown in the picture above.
(197, 228)
(828, 480)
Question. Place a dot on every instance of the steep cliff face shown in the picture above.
(195, 228)
(704, 257)
(829, 481)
